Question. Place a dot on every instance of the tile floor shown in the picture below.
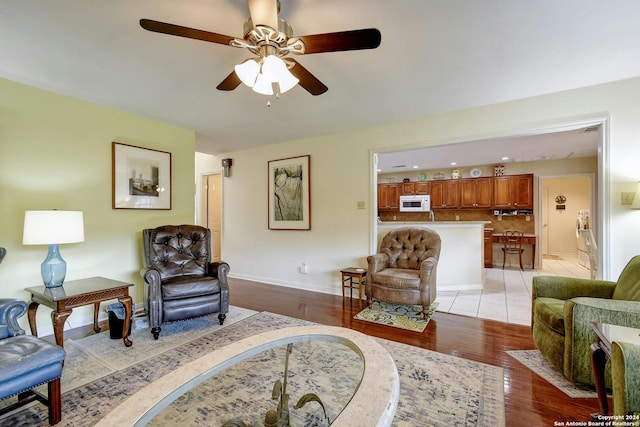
(506, 295)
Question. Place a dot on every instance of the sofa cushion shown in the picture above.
(549, 311)
(398, 278)
(187, 287)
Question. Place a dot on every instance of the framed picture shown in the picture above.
(289, 195)
(141, 177)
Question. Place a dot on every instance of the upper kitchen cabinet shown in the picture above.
(389, 196)
(445, 194)
(411, 188)
(476, 193)
(513, 192)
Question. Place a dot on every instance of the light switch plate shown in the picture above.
(360, 204)
(627, 197)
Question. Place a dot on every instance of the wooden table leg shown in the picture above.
(58, 318)
(598, 360)
(96, 308)
(31, 315)
(126, 301)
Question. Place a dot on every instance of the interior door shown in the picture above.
(545, 221)
(212, 212)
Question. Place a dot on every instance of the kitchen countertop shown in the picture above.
(433, 222)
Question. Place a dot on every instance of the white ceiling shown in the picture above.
(435, 56)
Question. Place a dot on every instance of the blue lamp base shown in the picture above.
(54, 268)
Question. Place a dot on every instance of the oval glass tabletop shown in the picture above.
(300, 376)
(297, 384)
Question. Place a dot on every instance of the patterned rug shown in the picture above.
(397, 315)
(535, 361)
(435, 389)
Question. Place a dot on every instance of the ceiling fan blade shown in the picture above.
(307, 80)
(190, 33)
(231, 82)
(264, 12)
(368, 38)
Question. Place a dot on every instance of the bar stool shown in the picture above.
(512, 246)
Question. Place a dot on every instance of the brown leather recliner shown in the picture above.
(180, 280)
(404, 270)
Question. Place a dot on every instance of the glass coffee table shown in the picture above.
(301, 376)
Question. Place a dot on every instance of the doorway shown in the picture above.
(211, 211)
(562, 197)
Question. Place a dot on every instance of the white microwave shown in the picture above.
(420, 203)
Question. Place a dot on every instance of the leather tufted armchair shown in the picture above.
(180, 280)
(404, 270)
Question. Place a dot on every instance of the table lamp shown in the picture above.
(53, 228)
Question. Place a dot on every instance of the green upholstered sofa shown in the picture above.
(563, 308)
(625, 360)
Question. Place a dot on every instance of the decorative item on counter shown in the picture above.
(560, 202)
(475, 173)
(498, 170)
(438, 175)
(422, 176)
(406, 180)
(455, 174)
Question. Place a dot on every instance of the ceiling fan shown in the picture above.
(271, 40)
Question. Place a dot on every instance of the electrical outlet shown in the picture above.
(457, 217)
(304, 268)
(527, 218)
(360, 204)
(499, 217)
(627, 197)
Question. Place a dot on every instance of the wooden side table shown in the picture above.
(601, 351)
(353, 278)
(76, 293)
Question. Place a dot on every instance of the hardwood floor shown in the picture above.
(529, 399)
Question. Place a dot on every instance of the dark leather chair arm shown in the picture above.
(377, 262)
(220, 270)
(10, 311)
(152, 295)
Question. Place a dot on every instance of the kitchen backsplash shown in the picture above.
(513, 222)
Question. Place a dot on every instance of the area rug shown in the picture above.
(535, 361)
(435, 389)
(397, 315)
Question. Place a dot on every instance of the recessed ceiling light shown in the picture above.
(504, 158)
(453, 163)
(415, 166)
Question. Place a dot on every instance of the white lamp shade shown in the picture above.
(247, 72)
(276, 71)
(53, 227)
(263, 85)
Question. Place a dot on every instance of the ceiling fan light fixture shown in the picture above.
(263, 85)
(275, 69)
(248, 72)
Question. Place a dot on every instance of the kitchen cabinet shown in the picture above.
(445, 194)
(418, 188)
(389, 196)
(476, 193)
(513, 192)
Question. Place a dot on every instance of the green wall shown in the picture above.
(55, 153)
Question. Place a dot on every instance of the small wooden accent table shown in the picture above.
(76, 293)
(601, 351)
(348, 274)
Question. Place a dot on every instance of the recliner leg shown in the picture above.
(221, 317)
(156, 332)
